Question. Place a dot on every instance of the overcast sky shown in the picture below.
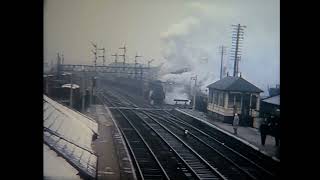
(178, 33)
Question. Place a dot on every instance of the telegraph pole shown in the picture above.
(124, 55)
(71, 91)
(58, 64)
(135, 65)
(223, 52)
(141, 71)
(150, 62)
(149, 74)
(115, 61)
(115, 58)
(93, 89)
(51, 66)
(62, 59)
(195, 92)
(237, 37)
(103, 56)
(83, 90)
(95, 54)
(142, 83)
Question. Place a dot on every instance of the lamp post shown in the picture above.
(93, 87)
(71, 86)
(71, 91)
(47, 79)
(83, 90)
(195, 92)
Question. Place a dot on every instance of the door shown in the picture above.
(245, 110)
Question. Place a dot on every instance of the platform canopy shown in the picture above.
(273, 100)
(74, 86)
(69, 134)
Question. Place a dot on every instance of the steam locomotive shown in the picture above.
(157, 94)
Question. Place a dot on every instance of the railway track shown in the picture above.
(124, 96)
(146, 163)
(197, 164)
(179, 161)
(209, 145)
(264, 164)
(224, 161)
(174, 159)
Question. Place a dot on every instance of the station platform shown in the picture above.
(113, 160)
(247, 135)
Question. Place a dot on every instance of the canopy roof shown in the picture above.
(69, 133)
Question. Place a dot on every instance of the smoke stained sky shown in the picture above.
(178, 33)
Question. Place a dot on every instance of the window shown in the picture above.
(210, 96)
(215, 96)
(221, 99)
(231, 100)
(234, 99)
(238, 100)
(254, 102)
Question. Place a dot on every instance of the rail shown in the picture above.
(246, 165)
(212, 154)
(252, 159)
(201, 159)
(132, 136)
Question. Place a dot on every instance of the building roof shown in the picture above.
(69, 133)
(273, 100)
(231, 83)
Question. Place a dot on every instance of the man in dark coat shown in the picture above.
(263, 131)
(276, 127)
(277, 132)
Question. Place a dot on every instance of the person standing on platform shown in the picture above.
(263, 131)
(235, 123)
(275, 121)
(277, 132)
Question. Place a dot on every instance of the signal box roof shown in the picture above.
(231, 83)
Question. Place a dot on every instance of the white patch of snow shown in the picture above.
(55, 167)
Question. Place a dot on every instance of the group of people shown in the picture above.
(270, 126)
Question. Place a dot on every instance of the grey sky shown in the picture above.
(176, 32)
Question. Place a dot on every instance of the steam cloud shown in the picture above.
(193, 43)
(190, 44)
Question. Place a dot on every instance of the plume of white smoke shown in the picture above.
(193, 43)
(190, 44)
(178, 92)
